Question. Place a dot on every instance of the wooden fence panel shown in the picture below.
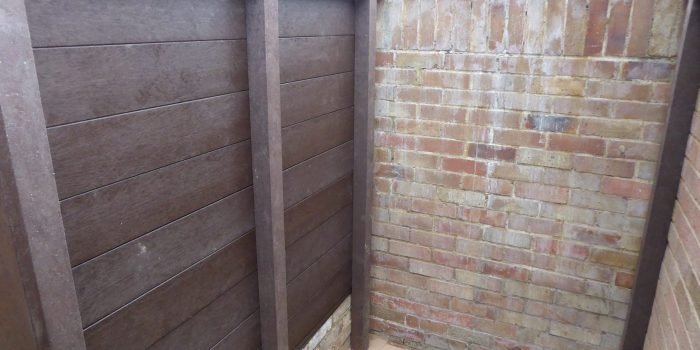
(188, 140)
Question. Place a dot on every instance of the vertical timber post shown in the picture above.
(363, 168)
(668, 176)
(266, 137)
(38, 303)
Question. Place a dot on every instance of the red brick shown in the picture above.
(465, 166)
(577, 144)
(440, 146)
(598, 16)
(541, 192)
(505, 271)
(519, 138)
(491, 152)
(388, 260)
(640, 28)
(455, 260)
(624, 280)
(617, 28)
(549, 279)
(626, 188)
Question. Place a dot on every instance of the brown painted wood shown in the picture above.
(245, 337)
(365, 44)
(326, 300)
(38, 307)
(318, 276)
(310, 176)
(100, 220)
(307, 139)
(147, 319)
(113, 279)
(306, 99)
(266, 136)
(313, 211)
(330, 17)
(86, 22)
(99, 152)
(81, 83)
(311, 57)
(668, 175)
(211, 324)
(304, 252)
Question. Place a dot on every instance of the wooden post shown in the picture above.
(363, 171)
(668, 176)
(266, 138)
(38, 303)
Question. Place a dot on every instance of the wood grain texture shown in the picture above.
(311, 57)
(112, 280)
(308, 177)
(330, 17)
(313, 245)
(313, 211)
(312, 137)
(211, 324)
(80, 83)
(245, 337)
(325, 302)
(149, 318)
(266, 136)
(99, 152)
(86, 22)
(305, 99)
(363, 174)
(318, 276)
(668, 176)
(38, 305)
(100, 220)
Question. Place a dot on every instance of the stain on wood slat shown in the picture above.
(101, 220)
(315, 136)
(318, 276)
(112, 280)
(302, 100)
(98, 152)
(147, 319)
(245, 337)
(214, 322)
(311, 57)
(313, 211)
(308, 177)
(308, 249)
(87, 22)
(81, 83)
(330, 17)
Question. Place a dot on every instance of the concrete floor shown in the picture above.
(378, 343)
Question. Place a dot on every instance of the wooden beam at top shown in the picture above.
(266, 137)
(38, 303)
(668, 176)
(363, 171)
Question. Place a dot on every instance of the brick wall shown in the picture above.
(675, 321)
(516, 145)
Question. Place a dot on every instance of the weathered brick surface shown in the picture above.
(675, 321)
(516, 142)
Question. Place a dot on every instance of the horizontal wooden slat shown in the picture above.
(98, 221)
(147, 319)
(316, 313)
(214, 322)
(305, 99)
(245, 337)
(313, 211)
(330, 17)
(313, 245)
(301, 290)
(85, 22)
(310, 57)
(111, 280)
(98, 152)
(308, 177)
(80, 83)
(304, 140)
